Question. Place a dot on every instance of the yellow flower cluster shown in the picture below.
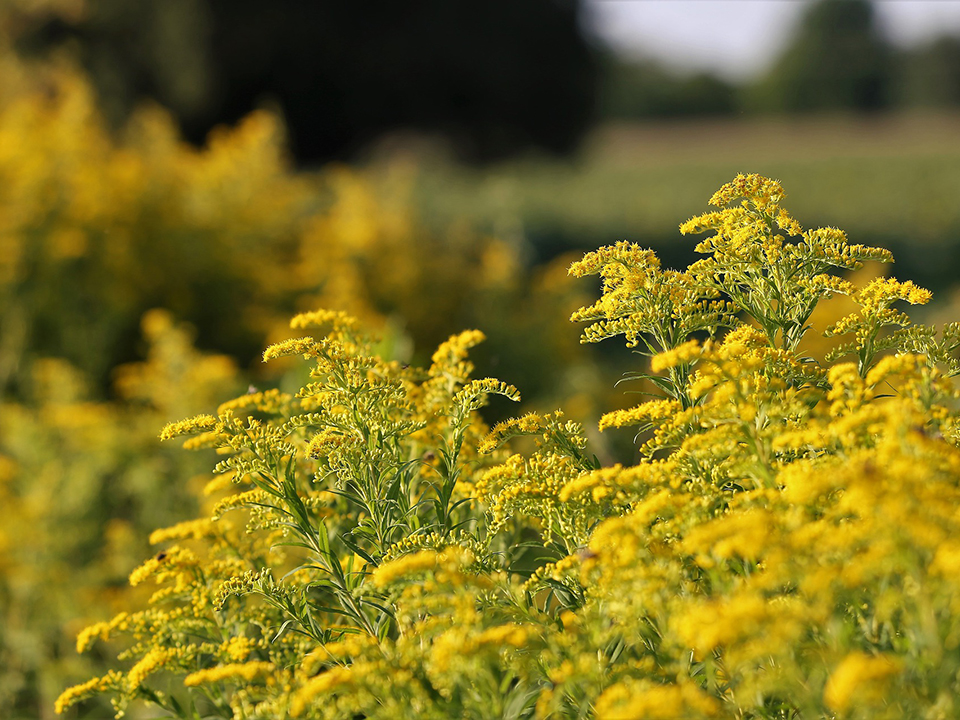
(187, 530)
(269, 401)
(644, 303)
(318, 318)
(93, 686)
(454, 351)
(452, 559)
(163, 564)
(680, 355)
(761, 191)
(784, 544)
(529, 424)
(859, 678)
(190, 426)
(473, 394)
(319, 685)
(601, 484)
(646, 700)
(243, 672)
(297, 346)
(653, 412)
(156, 659)
(131, 218)
(99, 631)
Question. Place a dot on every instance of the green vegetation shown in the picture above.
(893, 179)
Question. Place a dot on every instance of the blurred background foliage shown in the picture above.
(343, 73)
(179, 177)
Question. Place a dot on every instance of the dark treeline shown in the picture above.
(493, 78)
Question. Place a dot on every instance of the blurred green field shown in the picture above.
(887, 179)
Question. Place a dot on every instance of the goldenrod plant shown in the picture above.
(82, 481)
(99, 227)
(784, 546)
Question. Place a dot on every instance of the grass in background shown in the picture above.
(893, 179)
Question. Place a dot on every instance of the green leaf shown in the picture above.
(282, 630)
(348, 540)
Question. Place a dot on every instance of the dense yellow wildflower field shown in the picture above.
(783, 546)
(121, 250)
(772, 534)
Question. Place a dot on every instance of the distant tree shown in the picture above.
(929, 76)
(494, 77)
(838, 60)
(637, 89)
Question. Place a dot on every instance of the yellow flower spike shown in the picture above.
(454, 350)
(681, 355)
(190, 426)
(882, 291)
(172, 558)
(268, 401)
(237, 648)
(471, 396)
(742, 339)
(529, 424)
(187, 530)
(99, 631)
(757, 188)
(305, 346)
(638, 699)
(611, 480)
(71, 696)
(511, 634)
(205, 441)
(320, 685)
(451, 559)
(246, 672)
(653, 411)
(860, 679)
(893, 365)
(318, 318)
(623, 252)
(326, 441)
(155, 660)
(248, 498)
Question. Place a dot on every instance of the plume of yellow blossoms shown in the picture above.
(783, 543)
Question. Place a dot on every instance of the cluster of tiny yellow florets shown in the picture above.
(784, 544)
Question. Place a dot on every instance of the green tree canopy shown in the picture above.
(930, 75)
(837, 60)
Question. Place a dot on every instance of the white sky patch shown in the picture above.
(908, 22)
(739, 38)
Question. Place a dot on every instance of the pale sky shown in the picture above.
(737, 38)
